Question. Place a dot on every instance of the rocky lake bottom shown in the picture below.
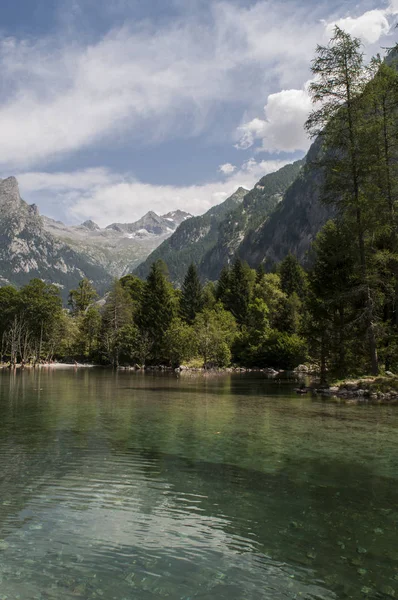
(129, 485)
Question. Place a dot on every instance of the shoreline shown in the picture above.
(371, 390)
(55, 365)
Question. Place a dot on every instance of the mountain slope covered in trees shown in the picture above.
(192, 240)
(212, 240)
(295, 222)
(255, 210)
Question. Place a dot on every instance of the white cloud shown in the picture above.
(282, 130)
(141, 83)
(78, 180)
(369, 27)
(393, 7)
(105, 196)
(227, 168)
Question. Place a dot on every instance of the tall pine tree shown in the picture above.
(339, 82)
(191, 301)
(157, 310)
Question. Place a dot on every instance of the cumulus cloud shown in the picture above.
(106, 196)
(369, 27)
(282, 130)
(227, 168)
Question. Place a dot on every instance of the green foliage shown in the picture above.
(82, 297)
(179, 342)
(341, 118)
(293, 276)
(116, 316)
(158, 309)
(215, 331)
(191, 301)
(135, 287)
(209, 295)
(284, 350)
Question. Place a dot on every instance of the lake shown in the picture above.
(130, 486)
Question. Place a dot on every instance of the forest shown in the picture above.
(340, 313)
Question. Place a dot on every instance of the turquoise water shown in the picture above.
(128, 486)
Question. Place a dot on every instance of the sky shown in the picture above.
(111, 109)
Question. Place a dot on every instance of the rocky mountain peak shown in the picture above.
(89, 224)
(9, 190)
(177, 216)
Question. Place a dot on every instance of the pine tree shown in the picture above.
(192, 297)
(293, 278)
(223, 286)
(260, 272)
(330, 325)
(158, 309)
(240, 291)
(339, 84)
(382, 185)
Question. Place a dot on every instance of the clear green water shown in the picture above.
(123, 486)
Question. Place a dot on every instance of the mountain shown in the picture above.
(294, 224)
(32, 245)
(256, 208)
(192, 240)
(27, 250)
(152, 223)
(120, 247)
(213, 239)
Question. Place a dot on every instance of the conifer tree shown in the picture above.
(293, 278)
(339, 84)
(223, 285)
(260, 272)
(240, 291)
(330, 325)
(158, 308)
(191, 301)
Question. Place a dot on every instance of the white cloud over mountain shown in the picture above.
(105, 196)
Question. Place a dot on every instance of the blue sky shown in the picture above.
(110, 109)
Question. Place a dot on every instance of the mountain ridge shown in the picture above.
(212, 240)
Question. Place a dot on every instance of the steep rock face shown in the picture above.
(192, 240)
(257, 206)
(295, 222)
(28, 251)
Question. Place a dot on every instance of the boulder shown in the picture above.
(301, 369)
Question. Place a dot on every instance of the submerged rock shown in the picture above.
(387, 590)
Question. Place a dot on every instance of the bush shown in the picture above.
(280, 350)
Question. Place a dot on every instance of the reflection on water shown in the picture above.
(126, 486)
